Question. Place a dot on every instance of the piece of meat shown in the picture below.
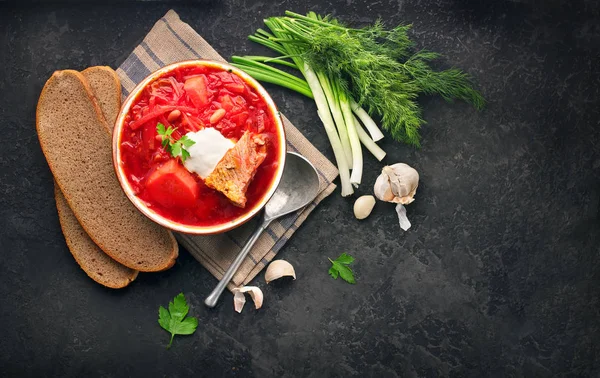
(233, 173)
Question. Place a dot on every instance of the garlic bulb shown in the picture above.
(363, 206)
(397, 183)
(239, 299)
(278, 269)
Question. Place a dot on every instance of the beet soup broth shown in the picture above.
(189, 99)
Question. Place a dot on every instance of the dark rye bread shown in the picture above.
(106, 88)
(74, 138)
(95, 263)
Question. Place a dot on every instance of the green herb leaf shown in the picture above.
(187, 142)
(345, 259)
(160, 129)
(174, 319)
(184, 155)
(178, 308)
(174, 147)
(187, 326)
(164, 318)
(340, 268)
(333, 273)
(345, 272)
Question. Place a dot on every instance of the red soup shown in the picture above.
(187, 101)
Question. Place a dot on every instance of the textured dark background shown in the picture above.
(498, 277)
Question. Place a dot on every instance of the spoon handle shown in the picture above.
(213, 298)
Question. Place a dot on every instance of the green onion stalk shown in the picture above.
(336, 109)
(352, 74)
(315, 85)
(278, 77)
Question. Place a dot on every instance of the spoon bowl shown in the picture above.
(299, 186)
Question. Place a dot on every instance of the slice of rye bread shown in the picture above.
(106, 88)
(95, 263)
(74, 138)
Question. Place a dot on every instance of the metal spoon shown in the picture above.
(299, 185)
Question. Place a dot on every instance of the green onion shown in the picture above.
(334, 140)
(350, 74)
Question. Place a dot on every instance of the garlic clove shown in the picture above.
(278, 269)
(402, 218)
(255, 293)
(239, 300)
(383, 189)
(363, 206)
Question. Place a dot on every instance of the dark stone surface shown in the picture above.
(499, 275)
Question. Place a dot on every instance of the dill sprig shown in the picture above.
(451, 84)
(353, 74)
(378, 68)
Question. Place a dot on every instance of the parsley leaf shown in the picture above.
(340, 268)
(184, 154)
(174, 321)
(176, 150)
(187, 142)
(174, 147)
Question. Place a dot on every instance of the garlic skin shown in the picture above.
(239, 299)
(397, 183)
(278, 269)
(402, 218)
(363, 206)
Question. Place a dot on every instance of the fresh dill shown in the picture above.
(378, 68)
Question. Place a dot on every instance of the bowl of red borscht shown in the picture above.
(199, 147)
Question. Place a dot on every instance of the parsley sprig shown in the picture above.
(174, 319)
(174, 147)
(340, 268)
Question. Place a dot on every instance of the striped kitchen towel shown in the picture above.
(172, 40)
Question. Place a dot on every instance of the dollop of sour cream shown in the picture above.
(205, 154)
